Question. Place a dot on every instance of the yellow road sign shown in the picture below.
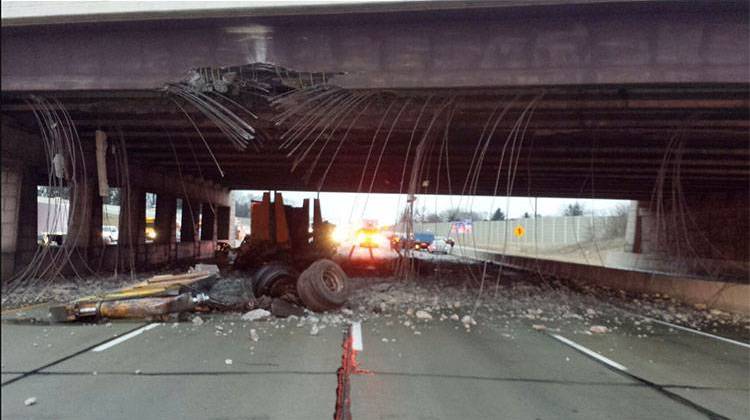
(519, 231)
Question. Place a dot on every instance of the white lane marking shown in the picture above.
(705, 334)
(127, 336)
(591, 353)
(357, 336)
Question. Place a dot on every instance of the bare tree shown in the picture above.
(575, 209)
(498, 215)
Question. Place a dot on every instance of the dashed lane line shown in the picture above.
(589, 352)
(122, 338)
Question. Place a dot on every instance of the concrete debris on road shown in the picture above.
(255, 315)
(254, 335)
(599, 329)
(29, 401)
(208, 268)
(228, 361)
(468, 321)
(197, 321)
(539, 327)
(423, 315)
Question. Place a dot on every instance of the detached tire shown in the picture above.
(275, 280)
(323, 286)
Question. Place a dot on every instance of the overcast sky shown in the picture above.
(351, 208)
(20, 8)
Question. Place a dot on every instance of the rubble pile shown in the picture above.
(64, 290)
(525, 301)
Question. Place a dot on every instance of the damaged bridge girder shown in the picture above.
(493, 44)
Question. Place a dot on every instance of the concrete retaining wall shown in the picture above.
(731, 297)
(544, 231)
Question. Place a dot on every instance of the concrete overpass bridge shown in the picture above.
(640, 100)
(635, 100)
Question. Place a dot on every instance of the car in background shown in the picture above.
(110, 234)
(51, 239)
(423, 240)
(441, 245)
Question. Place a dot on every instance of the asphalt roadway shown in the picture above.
(510, 371)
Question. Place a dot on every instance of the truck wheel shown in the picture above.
(275, 280)
(323, 286)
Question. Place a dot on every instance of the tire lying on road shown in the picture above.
(323, 286)
(275, 280)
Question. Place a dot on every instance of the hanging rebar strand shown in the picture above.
(512, 135)
(480, 156)
(258, 143)
(182, 183)
(411, 140)
(470, 172)
(32, 268)
(51, 125)
(119, 179)
(438, 171)
(483, 153)
(529, 112)
(227, 127)
(73, 134)
(205, 143)
(341, 142)
(128, 203)
(480, 151)
(308, 98)
(658, 191)
(335, 128)
(419, 154)
(232, 126)
(373, 141)
(366, 99)
(312, 118)
(289, 96)
(64, 139)
(343, 108)
(300, 101)
(409, 203)
(303, 117)
(59, 134)
(372, 144)
(380, 157)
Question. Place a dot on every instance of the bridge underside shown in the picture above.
(569, 99)
(597, 141)
(647, 101)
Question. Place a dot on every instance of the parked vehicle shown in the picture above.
(423, 240)
(110, 234)
(51, 239)
(441, 245)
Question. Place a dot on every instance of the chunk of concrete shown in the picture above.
(256, 314)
